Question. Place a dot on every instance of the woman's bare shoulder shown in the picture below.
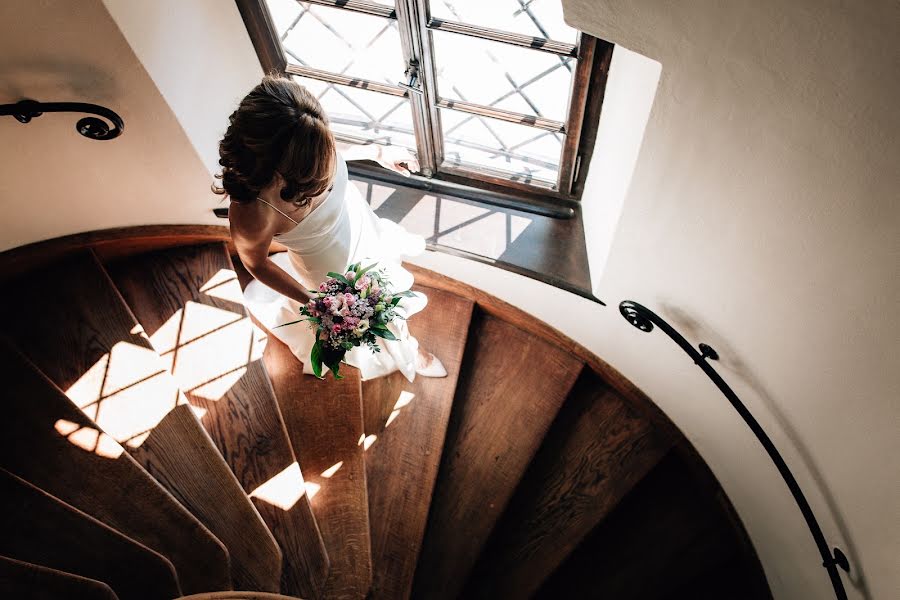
(249, 222)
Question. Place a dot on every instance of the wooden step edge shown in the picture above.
(164, 568)
(490, 304)
(269, 460)
(238, 596)
(217, 500)
(496, 428)
(204, 549)
(406, 425)
(19, 579)
(332, 461)
(598, 448)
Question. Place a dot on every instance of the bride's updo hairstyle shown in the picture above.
(279, 127)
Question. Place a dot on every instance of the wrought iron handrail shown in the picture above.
(644, 319)
(90, 127)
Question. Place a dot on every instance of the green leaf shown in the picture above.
(354, 266)
(291, 323)
(406, 294)
(315, 356)
(333, 360)
(396, 301)
(340, 278)
(383, 333)
(363, 272)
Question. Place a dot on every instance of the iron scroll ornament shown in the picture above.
(90, 127)
(645, 319)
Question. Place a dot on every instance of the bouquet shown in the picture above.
(349, 310)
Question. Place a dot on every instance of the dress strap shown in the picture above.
(278, 209)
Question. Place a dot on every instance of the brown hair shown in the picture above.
(279, 127)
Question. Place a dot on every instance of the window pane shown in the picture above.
(509, 77)
(525, 152)
(362, 113)
(538, 18)
(339, 41)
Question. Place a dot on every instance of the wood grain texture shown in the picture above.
(26, 581)
(182, 457)
(324, 421)
(112, 488)
(595, 452)
(666, 535)
(513, 315)
(71, 319)
(211, 354)
(37, 528)
(511, 388)
(402, 462)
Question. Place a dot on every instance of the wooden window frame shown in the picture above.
(416, 27)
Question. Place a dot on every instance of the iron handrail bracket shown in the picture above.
(644, 319)
(90, 127)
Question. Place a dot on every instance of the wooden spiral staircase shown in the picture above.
(157, 444)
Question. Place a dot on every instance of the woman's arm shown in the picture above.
(252, 244)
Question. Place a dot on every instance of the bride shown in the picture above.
(288, 183)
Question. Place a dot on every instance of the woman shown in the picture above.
(287, 183)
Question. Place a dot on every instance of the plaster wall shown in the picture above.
(55, 182)
(762, 217)
(200, 57)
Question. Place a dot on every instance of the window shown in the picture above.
(492, 93)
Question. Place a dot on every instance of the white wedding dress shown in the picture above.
(340, 231)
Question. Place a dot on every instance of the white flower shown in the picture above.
(361, 328)
(337, 304)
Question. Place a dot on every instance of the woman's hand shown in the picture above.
(397, 158)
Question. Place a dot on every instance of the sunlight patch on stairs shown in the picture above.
(327, 473)
(88, 438)
(366, 441)
(283, 490)
(403, 400)
(207, 349)
(224, 285)
(126, 392)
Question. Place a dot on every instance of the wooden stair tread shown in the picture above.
(26, 581)
(46, 440)
(40, 529)
(596, 451)
(188, 301)
(324, 421)
(91, 346)
(511, 387)
(217, 499)
(403, 458)
(662, 536)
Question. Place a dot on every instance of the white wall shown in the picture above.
(763, 217)
(200, 57)
(53, 181)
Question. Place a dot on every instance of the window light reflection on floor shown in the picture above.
(126, 392)
(284, 489)
(403, 400)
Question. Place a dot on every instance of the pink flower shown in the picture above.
(323, 287)
(336, 328)
(349, 299)
(363, 282)
(327, 301)
(349, 275)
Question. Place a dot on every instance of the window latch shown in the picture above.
(412, 75)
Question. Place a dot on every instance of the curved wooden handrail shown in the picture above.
(238, 596)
